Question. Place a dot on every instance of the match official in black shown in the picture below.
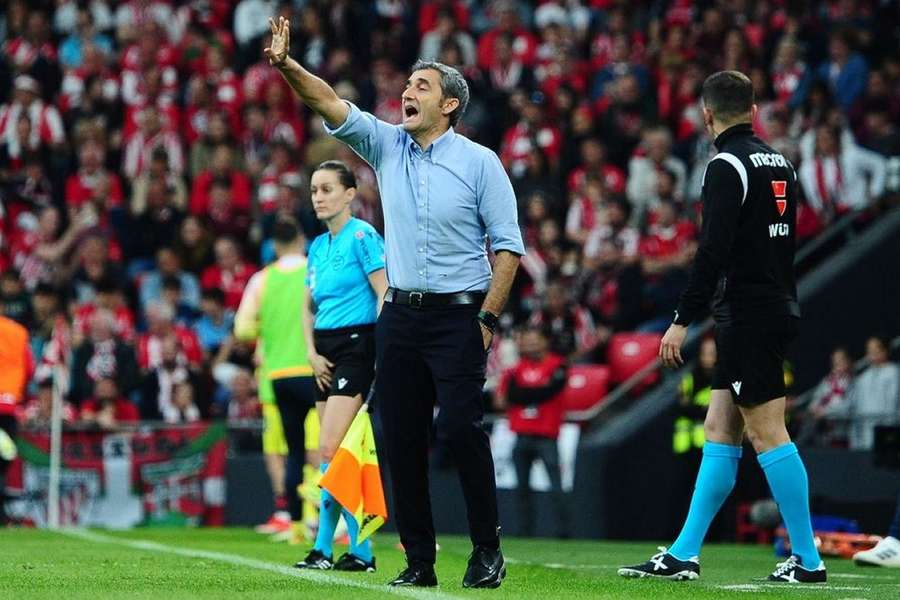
(444, 197)
(745, 265)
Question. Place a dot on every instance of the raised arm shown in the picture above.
(312, 90)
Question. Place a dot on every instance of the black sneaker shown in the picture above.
(793, 571)
(315, 560)
(351, 562)
(665, 566)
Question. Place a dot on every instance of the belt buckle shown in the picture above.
(415, 299)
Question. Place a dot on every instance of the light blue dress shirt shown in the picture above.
(440, 205)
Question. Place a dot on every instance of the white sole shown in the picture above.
(680, 576)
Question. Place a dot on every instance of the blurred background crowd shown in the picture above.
(146, 148)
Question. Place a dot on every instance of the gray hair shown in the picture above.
(453, 85)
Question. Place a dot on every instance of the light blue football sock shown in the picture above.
(790, 487)
(360, 550)
(715, 480)
(329, 513)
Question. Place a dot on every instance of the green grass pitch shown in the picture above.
(211, 564)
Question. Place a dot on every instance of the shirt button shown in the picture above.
(421, 249)
(422, 181)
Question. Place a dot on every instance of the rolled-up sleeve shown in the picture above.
(364, 133)
(497, 207)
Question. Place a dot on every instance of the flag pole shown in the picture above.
(55, 452)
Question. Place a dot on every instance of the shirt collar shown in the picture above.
(438, 146)
(734, 130)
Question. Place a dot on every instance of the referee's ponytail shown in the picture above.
(345, 175)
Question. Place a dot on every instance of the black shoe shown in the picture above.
(487, 569)
(665, 566)
(351, 562)
(315, 560)
(415, 575)
(793, 571)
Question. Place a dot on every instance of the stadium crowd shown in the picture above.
(147, 147)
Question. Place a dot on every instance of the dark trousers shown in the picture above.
(424, 356)
(8, 424)
(294, 398)
(528, 449)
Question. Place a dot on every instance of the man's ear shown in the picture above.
(449, 106)
(754, 110)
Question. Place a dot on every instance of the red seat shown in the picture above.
(586, 387)
(628, 353)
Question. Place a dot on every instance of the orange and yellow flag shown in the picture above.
(353, 478)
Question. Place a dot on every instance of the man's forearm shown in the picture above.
(505, 265)
(314, 92)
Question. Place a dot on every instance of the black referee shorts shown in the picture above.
(750, 359)
(352, 351)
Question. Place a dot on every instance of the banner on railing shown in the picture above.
(149, 476)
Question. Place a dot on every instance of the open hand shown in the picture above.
(670, 347)
(281, 41)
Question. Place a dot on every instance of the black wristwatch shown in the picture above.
(489, 320)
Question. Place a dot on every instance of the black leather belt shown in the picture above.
(429, 299)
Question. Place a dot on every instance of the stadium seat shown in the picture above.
(586, 387)
(628, 353)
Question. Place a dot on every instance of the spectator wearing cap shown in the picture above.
(653, 156)
(107, 408)
(161, 325)
(230, 272)
(533, 131)
(221, 166)
(168, 263)
(149, 137)
(46, 124)
(101, 355)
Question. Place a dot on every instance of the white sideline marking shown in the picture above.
(561, 566)
(758, 587)
(242, 561)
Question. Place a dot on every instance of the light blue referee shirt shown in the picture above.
(439, 205)
(337, 275)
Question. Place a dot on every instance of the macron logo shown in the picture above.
(737, 387)
(341, 383)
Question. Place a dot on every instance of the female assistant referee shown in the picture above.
(347, 283)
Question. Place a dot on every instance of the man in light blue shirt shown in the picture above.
(444, 198)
